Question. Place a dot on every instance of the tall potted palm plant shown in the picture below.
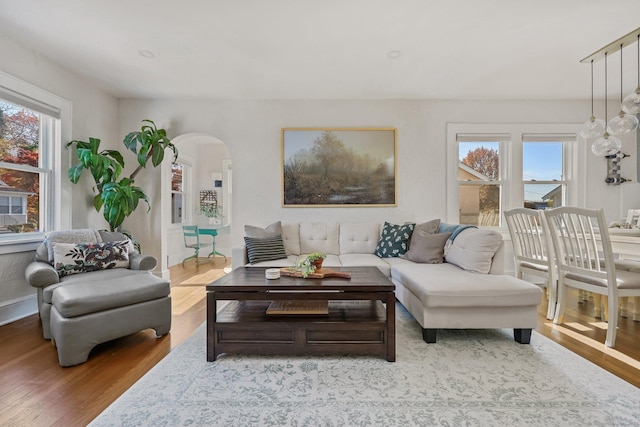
(119, 197)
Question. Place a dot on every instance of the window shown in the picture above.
(543, 174)
(12, 205)
(178, 192)
(35, 193)
(24, 171)
(495, 167)
(479, 179)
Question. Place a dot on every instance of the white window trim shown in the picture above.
(575, 161)
(60, 187)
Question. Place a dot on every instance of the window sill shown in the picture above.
(15, 244)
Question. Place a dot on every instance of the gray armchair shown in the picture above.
(100, 300)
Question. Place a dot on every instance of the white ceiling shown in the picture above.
(331, 49)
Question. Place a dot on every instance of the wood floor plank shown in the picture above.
(35, 390)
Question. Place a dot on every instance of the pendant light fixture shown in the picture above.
(622, 123)
(593, 127)
(631, 103)
(606, 145)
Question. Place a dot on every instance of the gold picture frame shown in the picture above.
(339, 167)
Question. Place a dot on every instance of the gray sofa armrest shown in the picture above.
(41, 274)
(239, 257)
(142, 262)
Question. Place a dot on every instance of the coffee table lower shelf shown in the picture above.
(351, 327)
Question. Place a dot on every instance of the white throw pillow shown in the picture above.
(73, 258)
(473, 249)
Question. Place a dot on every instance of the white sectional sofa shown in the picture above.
(448, 295)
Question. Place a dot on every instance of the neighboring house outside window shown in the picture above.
(503, 166)
(13, 205)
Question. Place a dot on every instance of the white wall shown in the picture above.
(251, 130)
(94, 114)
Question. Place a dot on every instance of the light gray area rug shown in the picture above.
(469, 378)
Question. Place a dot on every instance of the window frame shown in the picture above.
(512, 191)
(56, 115)
(184, 193)
(187, 194)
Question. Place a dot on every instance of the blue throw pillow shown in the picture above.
(394, 240)
(447, 228)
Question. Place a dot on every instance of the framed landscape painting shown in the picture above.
(338, 167)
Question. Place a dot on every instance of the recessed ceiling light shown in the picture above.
(394, 54)
(147, 53)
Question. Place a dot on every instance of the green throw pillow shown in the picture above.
(394, 240)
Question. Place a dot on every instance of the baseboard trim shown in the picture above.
(19, 308)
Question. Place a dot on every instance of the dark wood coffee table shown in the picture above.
(360, 320)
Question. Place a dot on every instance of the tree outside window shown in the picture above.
(479, 189)
(19, 164)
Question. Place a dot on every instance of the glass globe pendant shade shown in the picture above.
(593, 128)
(622, 123)
(631, 104)
(606, 145)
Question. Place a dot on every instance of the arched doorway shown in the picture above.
(203, 165)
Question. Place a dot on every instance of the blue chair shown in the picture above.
(192, 240)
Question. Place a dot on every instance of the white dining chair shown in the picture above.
(533, 250)
(585, 261)
(633, 217)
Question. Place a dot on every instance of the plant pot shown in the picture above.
(318, 264)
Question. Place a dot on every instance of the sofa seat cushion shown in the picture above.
(115, 274)
(78, 298)
(445, 285)
(366, 260)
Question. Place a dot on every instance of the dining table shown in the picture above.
(214, 230)
(625, 243)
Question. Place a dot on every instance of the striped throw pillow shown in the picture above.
(265, 249)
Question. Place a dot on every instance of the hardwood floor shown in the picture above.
(35, 390)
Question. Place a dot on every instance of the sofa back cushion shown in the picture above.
(319, 237)
(359, 237)
(473, 249)
(291, 237)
